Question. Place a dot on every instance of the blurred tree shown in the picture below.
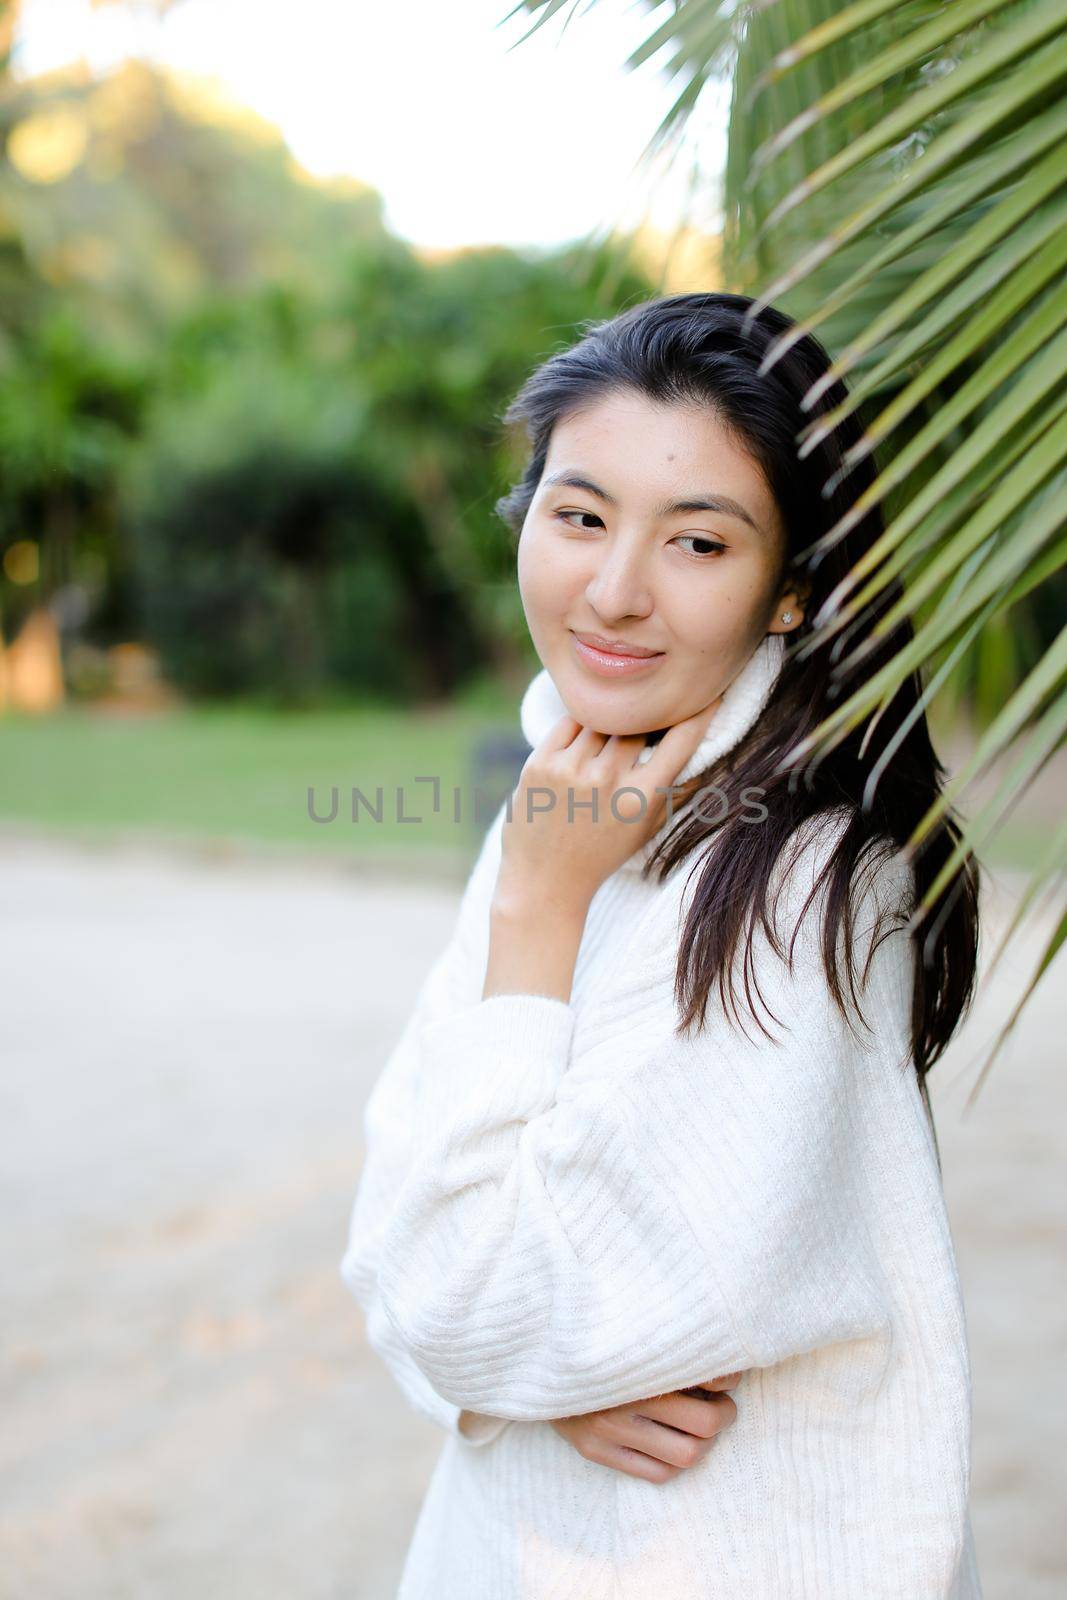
(138, 193)
(68, 408)
(440, 349)
(270, 555)
(312, 503)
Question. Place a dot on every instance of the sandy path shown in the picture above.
(189, 1406)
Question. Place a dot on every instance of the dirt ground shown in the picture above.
(189, 1406)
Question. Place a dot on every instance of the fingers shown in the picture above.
(655, 1439)
(627, 746)
(598, 1443)
(633, 1462)
(587, 1435)
(589, 744)
(702, 1417)
(672, 752)
(663, 1443)
(581, 743)
(660, 1450)
(560, 735)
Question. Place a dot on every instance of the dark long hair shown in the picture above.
(698, 349)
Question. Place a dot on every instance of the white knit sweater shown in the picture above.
(565, 1207)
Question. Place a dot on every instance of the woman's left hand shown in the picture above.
(654, 1439)
(551, 846)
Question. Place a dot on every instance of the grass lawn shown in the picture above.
(241, 774)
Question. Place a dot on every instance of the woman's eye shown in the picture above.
(590, 516)
(589, 520)
(711, 546)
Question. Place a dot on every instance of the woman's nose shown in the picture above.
(619, 585)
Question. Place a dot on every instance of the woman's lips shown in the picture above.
(608, 665)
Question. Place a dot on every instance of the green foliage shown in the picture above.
(311, 502)
(273, 425)
(264, 540)
(165, 199)
(69, 408)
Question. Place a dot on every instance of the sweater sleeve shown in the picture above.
(561, 1246)
(388, 1119)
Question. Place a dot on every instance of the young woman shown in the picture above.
(658, 1121)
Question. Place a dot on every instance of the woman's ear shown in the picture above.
(792, 601)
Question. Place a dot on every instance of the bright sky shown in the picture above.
(466, 142)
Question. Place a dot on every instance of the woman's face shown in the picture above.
(650, 527)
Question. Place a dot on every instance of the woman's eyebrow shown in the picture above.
(670, 508)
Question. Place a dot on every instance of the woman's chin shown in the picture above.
(592, 715)
(613, 708)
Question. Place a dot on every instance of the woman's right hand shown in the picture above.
(653, 1439)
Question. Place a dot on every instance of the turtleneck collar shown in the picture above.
(742, 701)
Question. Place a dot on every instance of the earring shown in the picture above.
(787, 616)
